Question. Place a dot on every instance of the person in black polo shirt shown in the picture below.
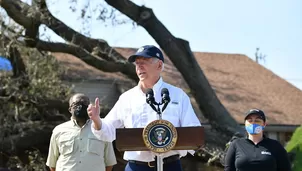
(256, 152)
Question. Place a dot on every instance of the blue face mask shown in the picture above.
(254, 128)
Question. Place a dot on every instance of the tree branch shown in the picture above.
(99, 46)
(42, 103)
(18, 11)
(28, 139)
(16, 60)
(30, 17)
(103, 65)
(107, 66)
(30, 131)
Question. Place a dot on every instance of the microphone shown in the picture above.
(150, 96)
(165, 97)
(150, 99)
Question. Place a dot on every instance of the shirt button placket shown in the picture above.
(82, 143)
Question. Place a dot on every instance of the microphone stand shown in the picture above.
(159, 159)
(158, 111)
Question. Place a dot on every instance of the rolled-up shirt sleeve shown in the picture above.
(109, 124)
(53, 153)
(106, 133)
(109, 155)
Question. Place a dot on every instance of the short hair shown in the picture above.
(156, 60)
(79, 97)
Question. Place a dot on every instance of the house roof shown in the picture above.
(239, 82)
(76, 69)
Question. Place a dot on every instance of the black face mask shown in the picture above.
(80, 111)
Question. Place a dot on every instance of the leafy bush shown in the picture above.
(295, 146)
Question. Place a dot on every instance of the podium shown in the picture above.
(159, 136)
(130, 139)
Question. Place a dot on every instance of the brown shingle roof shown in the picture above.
(240, 84)
(77, 69)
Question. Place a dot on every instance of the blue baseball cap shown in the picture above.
(147, 51)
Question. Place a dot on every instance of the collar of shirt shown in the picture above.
(76, 124)
(156, 87)
(260, 142)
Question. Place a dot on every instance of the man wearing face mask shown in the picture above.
(73, 147)
(256, 151)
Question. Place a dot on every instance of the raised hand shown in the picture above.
(94, 110)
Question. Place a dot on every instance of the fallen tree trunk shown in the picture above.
(33, 135)
(27, 133)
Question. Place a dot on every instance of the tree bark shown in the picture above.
(28, 139)
(16, 60)
(57, 104)
(106, 66)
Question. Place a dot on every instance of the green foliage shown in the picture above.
(43, 77)
(20, 96)
(43, 74)
(295, 146)
(35, 158)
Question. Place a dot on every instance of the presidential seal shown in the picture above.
(160, 136)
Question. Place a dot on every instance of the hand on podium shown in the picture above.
(94, 114)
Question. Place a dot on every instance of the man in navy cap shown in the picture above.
(132, 111)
